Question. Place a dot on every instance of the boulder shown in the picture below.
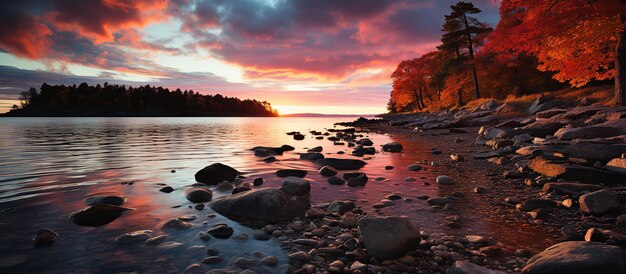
(572, 172)
(264, 204)
(577, 257)
(363, 151)
(97, 215)
(341, 164)
(221, 231)
(388, 237)
(588, 132)
(365, 142)
(533, 204)
(328, 171)
(334, 180)
(392, 147)
(598, 202)
(355, 178)
(296, 186)
(465, 267)
(216, 173)
(198, 195)
(291, 173)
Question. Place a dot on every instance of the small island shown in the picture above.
(121, 101)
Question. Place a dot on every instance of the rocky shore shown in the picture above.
(557, 167)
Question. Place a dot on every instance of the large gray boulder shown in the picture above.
(263, 204)
(388, 237)
(598, 202)
(216, 173)
(577, 257)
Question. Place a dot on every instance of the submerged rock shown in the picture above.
(98, 215)
(216, 173)
(342, 164)
(334, 180)
(577, 257)
(328, 171)
(264, 204)
(312, 156)
(291, 173)
(45, 237)
(388, 237)
(175, 223)
(138, 236)
(198, 195)
(111, 199)
(221, 231)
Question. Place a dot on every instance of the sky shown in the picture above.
(303, 56)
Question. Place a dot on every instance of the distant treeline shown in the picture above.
(119, 100)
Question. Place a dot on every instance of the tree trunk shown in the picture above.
(460, 94)
(471, 54)
(620, 69)
(422, 97)
(417, 100)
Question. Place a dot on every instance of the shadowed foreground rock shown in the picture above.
(216, 173)
(264, 204)
(465, 267)
(97, 215)
(388, 237)
(578, 257)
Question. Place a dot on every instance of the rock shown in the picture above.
(261, 152)
(307, 242)
(358, 266)
(296, 186)
(156, 240)
(365, 142)
(175, 223)
(167, 189)
(291, 173)
(597, 235)
(336, 266)
(192, 268)
(134, 237)
(477, 240)
(335, 180)
(490, 104)
(244, 263)
(45, 237)
(341, 207)
(270, 159)
(221, 231)
(620, 224)
(270, 261)
(342, 164)
(573, 172)
(299, 256)
(212, 260)
(598, 202)
(198, 195)
(328, 171)
(392, 147)
(316, 149)
(363, 151)
(298, 136)
(388, 237)
(570, 188)
(617, 165)
(116, 200)
(356, 178)
(260, 235)
(241, 188)
(445, 180)
(589, 132)
(312, 156)
(216, 173)
(465, 267)
(576, 257)
(533, 204)
(438, 201)
(265, 204)
(257, 181)
(224, 186)
(97, 215)
(415, 167)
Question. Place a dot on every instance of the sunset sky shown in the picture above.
(321, 56)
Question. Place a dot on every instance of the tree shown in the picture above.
(579, 40)
(15, 107)
(411, 81)
(460, 29)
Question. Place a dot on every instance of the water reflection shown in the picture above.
(49, 165)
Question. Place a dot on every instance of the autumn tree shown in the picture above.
(460, 29)
(411, 81)
(578, 40)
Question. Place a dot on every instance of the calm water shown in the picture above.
(49, 165)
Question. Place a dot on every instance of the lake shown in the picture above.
(49, 165)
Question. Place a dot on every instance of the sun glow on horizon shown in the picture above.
(358, 110)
